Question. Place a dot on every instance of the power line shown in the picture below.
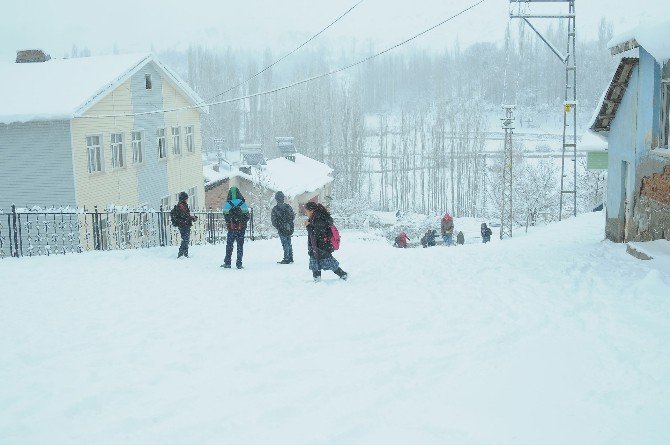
(294, 84)
(289, 54)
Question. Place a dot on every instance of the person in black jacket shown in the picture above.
(282, 219)
(184, 223)
(319, 246)
(486, 233)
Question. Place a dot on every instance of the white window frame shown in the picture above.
(136, 137)
(162, 147)
(95, 152)
(190, 143)
(193, 197)
(176, 141)
(176, 198)
(148, 83)
(165, 202)
(118, 152)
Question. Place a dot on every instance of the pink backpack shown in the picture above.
(334, 237)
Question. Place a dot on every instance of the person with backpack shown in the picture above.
(182, 219)
(282, 218)
(236, 214)
(447, 226)
(322, 240)
(486, 233)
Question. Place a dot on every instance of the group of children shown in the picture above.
(322, 236)
(447, 232)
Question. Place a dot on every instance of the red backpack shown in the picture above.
(334, 237)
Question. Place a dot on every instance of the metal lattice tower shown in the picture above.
(568, 184)
(506, 214)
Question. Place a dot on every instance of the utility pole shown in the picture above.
(568, 187)
(506, 213)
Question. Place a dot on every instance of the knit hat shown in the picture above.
(279, 196)
(183, 196)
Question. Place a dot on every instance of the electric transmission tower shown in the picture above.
(506, 214)
(568, 185)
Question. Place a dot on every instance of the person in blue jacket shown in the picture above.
(236, 214)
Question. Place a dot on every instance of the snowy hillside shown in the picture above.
(556, 337)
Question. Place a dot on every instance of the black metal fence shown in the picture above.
(53, 231)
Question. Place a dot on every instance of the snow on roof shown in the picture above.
(293, 178)
(653, 36)
(592, 141)
(63, 88)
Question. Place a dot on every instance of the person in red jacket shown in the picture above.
(447, 227)
(401, 240)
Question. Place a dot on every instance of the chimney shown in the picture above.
(31, 56)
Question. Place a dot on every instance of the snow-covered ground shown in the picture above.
(556, 337)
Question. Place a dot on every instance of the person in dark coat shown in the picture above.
(486, 233)
(401, 240)
(460, 238)
(428, 239)
(236, 214)
(184, 223)
(319, 246)
(447, 226)
(282, 218)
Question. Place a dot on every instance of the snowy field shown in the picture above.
(556, 337)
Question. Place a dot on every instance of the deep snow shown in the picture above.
(556, 337)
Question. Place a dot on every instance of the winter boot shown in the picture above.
(284, 262)
(317, 275)
(239, 266)
(342, 274)
(226, 266)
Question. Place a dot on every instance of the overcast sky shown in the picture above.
(136, 25)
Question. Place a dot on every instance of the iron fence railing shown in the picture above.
(38, 231)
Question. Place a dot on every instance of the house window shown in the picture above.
(189, 139)
(162, 151)
(165, 202)
(665, 105)
(137, 146)
(147, 81)
(193, 197)
(94, 154)
(176, 141)
(117, 150)
(176, 198)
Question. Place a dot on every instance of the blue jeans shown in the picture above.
(234, 235)
(286, 245)
(185, 233)
(448, 239)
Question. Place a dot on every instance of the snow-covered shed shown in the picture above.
(634, 116)
(70, 134)
(302, 179)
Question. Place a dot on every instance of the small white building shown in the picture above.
(301, 179)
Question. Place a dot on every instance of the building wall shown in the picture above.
(634, 132)
(152, 176)
(183, 171)
(36, 164)
(110, 186)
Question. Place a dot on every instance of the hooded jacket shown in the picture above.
(235, 210)
(447, 225)
(318, 236)
(282, 216)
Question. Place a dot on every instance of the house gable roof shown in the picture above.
(61, 89)
(611, 99)
(652, 35)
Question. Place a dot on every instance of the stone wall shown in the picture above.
(651, 213)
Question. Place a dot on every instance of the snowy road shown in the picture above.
(554, 338)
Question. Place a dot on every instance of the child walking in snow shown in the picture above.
(319, 245)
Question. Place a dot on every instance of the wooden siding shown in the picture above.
(111, 186)
(152, 177)
(185, 170)
(36, 164)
